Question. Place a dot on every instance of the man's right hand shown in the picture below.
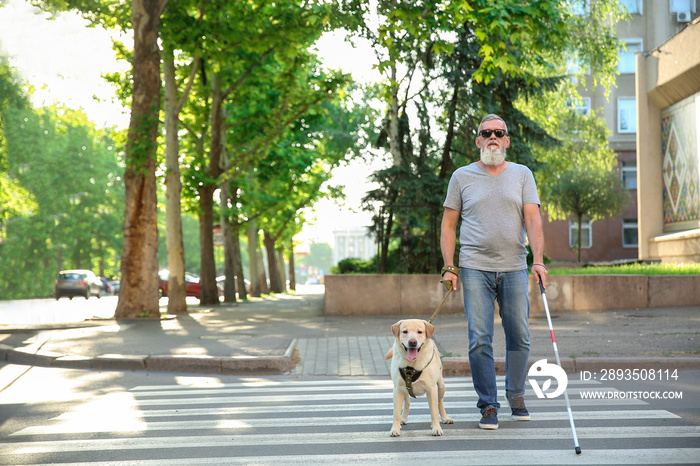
(451, 277)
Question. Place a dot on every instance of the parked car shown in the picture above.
(115, 286)
(192, 285)
(72, 283)
(106, 285)
(221, 279)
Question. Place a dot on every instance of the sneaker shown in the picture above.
(518, 409)
(489, 419)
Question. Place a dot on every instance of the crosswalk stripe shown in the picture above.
(491, 457)
(343, 384)
(450, 435)
(451, 388)
(295, 396)
(416, 406)
(316, 421)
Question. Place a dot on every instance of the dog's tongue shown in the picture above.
(412, 354)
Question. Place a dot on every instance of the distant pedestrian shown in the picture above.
(498, 204)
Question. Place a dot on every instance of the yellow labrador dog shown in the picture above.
(416, 369)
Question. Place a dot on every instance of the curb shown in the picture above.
(234, 365)
(457, 367)
(278, 365)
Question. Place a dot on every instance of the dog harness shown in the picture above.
(410, 374)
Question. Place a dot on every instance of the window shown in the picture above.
(625, 57)
(629, 232)
(581, 105)
(578, 7)
(575, 67)
(633, 6)
(629, 174)
(678, 6)
(586, 234)
(626, 115)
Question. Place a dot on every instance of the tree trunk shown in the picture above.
(446, 162)
(238, 261)
(138, 296)
(394, 122)
(387, 241)
(229, 269)
(253, 259)
(177, 293)
(580, 218)
(292, 272)
(275, 285)
(209, 293)
(262, 277)
(280, 269)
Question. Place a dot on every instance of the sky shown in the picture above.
(65, 61)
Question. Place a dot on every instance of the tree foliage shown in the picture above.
(15, 200)
(261, 118)
(498, 57)
(587, 191)
(73, 174)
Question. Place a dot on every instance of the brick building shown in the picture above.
(652, 22)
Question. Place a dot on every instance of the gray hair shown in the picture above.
(492, 116)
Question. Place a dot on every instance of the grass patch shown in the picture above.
(629, 269)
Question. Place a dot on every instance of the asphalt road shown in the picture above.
(61, 416)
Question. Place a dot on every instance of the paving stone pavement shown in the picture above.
(343, 356)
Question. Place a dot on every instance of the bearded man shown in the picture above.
(498, 204)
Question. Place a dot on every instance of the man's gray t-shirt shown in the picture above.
(493, 233)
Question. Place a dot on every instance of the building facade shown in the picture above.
(651, 23)
(353, 242)
(668, 156)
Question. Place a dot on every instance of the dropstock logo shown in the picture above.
(542, 369)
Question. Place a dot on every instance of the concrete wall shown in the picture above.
(420, 295)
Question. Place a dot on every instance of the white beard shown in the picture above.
(493, 157)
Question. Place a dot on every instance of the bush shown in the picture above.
(354, 265)
(530, 257)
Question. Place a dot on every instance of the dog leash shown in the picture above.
(448, 287)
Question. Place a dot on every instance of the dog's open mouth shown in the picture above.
(412, 351)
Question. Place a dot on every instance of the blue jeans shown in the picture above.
(481, 290)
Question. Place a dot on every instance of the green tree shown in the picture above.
(138, 296)
(174, 96)
(291, 177)
(502, 53)
(320, 256)
(71, 171)
(14, 198)
(587, 191)
(405, 36)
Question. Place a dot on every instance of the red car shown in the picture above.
(192, 285)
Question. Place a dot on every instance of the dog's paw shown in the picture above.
(396, 432)
(437, 431)
(447, 420)
(404, 422)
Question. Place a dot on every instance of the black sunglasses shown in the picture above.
(486, 133)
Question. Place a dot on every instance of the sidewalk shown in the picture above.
(288, 334)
